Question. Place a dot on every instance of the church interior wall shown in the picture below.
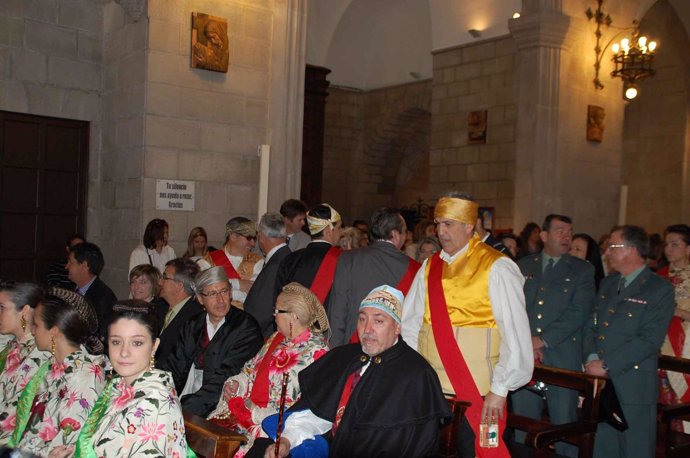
(475, 77)
(376, 145)
(656, 148)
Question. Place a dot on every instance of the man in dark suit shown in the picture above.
(294, 214)
(314, 266)
(262, 295)
(84, 263)
(559, 292)
(177, 288)
(360, 271)
(633, 310)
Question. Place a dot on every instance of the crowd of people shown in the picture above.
(312, 339)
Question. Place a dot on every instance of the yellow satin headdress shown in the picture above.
(316, 225)
(461, 210)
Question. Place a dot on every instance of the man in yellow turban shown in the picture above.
(465, 313)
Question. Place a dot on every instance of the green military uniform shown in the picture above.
(627, 330)
(559, 301)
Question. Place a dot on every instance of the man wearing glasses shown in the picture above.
(241, 264)
(633, 310)
(177, 288)
(212, 347)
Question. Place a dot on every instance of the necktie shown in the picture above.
(549, 267)
(168, 317)
(621, 285)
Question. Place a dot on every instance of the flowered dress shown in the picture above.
(141, 419)
(255, 400)
(68, 393)
(22, 362)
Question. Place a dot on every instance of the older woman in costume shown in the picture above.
(20, 359)
(255, 392)
(138, 413)
(56, 402)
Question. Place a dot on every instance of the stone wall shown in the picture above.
(656, 164)
(472, 78)
(376, 147)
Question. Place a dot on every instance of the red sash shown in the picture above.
(350, 385)
(403, 285)
(453, 361)
(323, 280)
(220, 259)
(676, 334)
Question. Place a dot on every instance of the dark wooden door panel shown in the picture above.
(43, 179)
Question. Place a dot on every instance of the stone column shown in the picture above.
(539, 36)
(287, 100)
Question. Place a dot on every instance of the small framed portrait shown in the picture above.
(487, 216)
(476, 127)
(210, 43)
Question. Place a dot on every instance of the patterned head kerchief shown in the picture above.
(316, 224)
(317, 314)
(456, 209)
(244, 228)
(387, 299)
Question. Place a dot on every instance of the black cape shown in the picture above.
(396, 410)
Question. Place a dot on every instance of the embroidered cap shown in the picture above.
(387, 299)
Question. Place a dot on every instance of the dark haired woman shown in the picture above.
(138, 413)
(530, 241)
(56, 402)
(20, 359)
(155, 249)
(585, 247)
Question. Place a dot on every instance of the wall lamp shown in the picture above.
(632, 57)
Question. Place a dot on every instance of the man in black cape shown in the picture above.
(378, 398)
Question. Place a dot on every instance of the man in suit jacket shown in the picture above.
(294, 213)
(262, 295)
(559, 292)
(303, 265)
(84, 263)
(633, 310)
(360, 271)
(177, 288)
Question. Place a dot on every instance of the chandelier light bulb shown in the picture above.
(625, 44)
(631, 93)
(652, 46)
(615, 48)
(642, 41)
(516, 15)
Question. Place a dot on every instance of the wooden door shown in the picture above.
(43, 182)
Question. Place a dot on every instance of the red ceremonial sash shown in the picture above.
(259, 394)
(454, 363)
(676, 335)
(345, 398)
(403, 286)
(323, 280)
(220, 259)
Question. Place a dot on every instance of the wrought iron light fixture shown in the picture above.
(632, 57)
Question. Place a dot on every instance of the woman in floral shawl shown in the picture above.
(20, 359)
(138, 413)
(254, 393)
(57, 401)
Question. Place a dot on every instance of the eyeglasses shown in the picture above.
(278, 311)
(220, 292)
(250, 238)
(617, 245)
(165, 277)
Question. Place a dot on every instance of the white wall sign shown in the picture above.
(175, 195)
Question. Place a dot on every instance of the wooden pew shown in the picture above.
(541, 434)
(208, 440)
(672, 444)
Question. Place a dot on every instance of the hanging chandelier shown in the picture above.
(632, 57)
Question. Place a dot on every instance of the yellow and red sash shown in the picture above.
(323, 280)
(220, 259)
(453, 361)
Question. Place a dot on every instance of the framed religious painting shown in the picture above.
(210, 43)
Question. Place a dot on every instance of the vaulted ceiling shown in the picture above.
(376, 43)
